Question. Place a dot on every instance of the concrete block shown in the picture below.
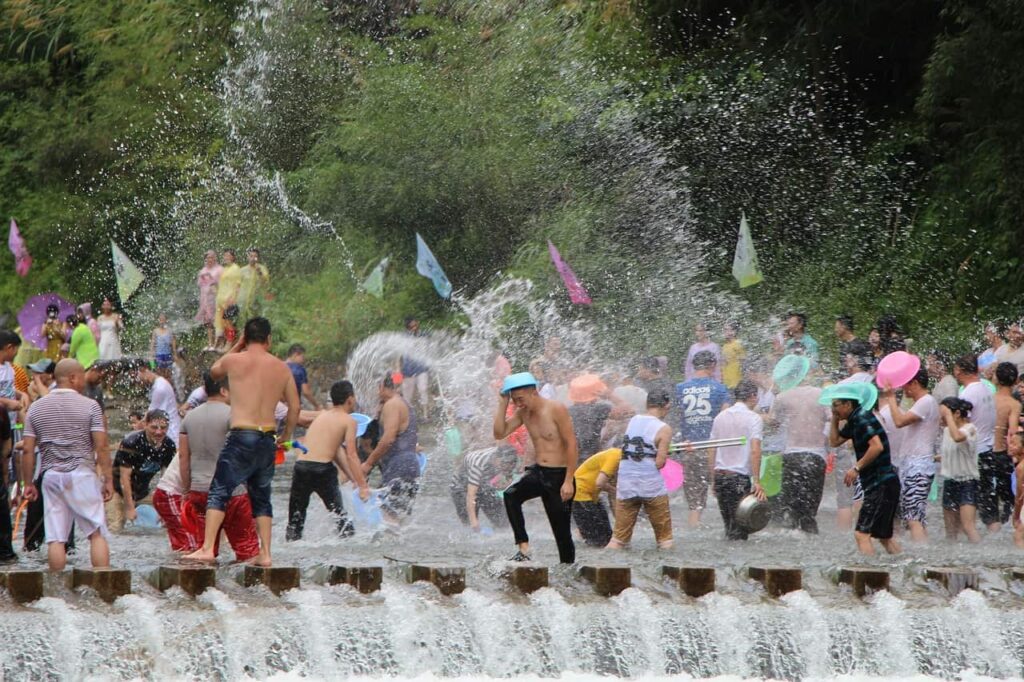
(608, 580)
(366, 579)
(527, 577)
(194, 580)
(278, 579)
(23, 586)
(694, 581)
(448, 580)
(953, 579)
(777, 580)
(864, 580)
(109, 583)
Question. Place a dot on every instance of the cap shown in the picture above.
(44, 366)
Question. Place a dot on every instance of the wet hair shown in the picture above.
(887, 326)
(9, 338)
(257, 330)
(213, 386)
(659, 397)
(854, 403)
(846, 320)
(232, 252)
(157, 415)
(1006, 374)
(136, 414)
(800, 316)
(967, 364)
(71, 320)
(958, 406)
(999, 327)
(704, 359)
(388, 382)
(295, 349)
(861, 351)
(52, 308)
(745, 390)
(921, 378)
(341, 391)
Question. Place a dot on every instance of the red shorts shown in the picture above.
(239, 525)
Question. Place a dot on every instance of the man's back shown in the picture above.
(63, 423)
(1007, 410)
(258, 381)
(207, 429)
(698, 401)
(799, 413)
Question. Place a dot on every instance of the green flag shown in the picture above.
(374, 284)
(744, 264)
(128, 276)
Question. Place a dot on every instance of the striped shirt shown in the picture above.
(62, 424)
(481, 467)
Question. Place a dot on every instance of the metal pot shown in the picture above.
(753, 514)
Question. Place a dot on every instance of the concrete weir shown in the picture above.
(194, 580)
(448, 580)
(23, 586)
(693, 581)
(109, 583)
(864, 580)
(278, 579)
(777, 580)
(608, 580)
(366, 579)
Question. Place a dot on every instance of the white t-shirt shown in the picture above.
(738, 420)
(893, 434)
(919, 438)
(161, 397)
(983, 416)
(959, 460)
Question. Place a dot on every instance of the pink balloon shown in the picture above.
(672, 472)
(896, 369)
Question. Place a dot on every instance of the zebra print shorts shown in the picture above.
(914, 497)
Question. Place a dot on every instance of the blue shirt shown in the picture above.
(299, 373)
(699, 401)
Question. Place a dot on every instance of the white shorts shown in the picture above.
(73, 497)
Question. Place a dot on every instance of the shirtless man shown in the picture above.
(258, 381)
(330, 446)
(1007, 423)
(551, 478)
(395, 453)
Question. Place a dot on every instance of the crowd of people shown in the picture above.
(567, 434)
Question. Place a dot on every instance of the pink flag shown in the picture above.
(577, 294)
(22, 259)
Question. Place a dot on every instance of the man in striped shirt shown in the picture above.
(68, 429)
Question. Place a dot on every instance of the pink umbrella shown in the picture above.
(33, 314)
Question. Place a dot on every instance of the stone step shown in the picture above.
(109, 583)
(366, 579)
(864, 580)
(694, 581)
(527, 577)
(23, 586)
(777, 580)
(278, 579)
(193, 579)
(608, 580)
(448, 580)
(954, 579)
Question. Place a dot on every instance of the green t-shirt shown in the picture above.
(83, 346)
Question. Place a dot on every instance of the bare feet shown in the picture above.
(202, 556)
(261, 560)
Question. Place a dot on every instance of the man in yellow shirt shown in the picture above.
(227, 294)
(594, 475)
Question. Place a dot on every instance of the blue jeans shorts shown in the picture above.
(247, 457)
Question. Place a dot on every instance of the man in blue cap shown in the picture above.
(551, 477)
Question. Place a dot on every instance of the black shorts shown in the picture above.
(879, 510)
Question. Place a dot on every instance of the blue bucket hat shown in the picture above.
(520, 380)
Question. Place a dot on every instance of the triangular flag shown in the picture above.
(374, 284)
(428, 266)
(577, 293)
(128, 276)
(744, 264)
(22, 259)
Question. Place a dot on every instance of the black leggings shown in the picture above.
(320, 478)
(803, 480)
(545, 483)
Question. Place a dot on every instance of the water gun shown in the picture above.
(288, 445)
